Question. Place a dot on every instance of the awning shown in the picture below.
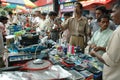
(10, 5)
(43, 2)
(17, 8)
(89, 2)
(26, 3)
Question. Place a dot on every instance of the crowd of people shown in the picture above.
(100, 34)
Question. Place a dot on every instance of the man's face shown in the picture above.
(77, 9)
(37, 14)
(104, 23)
(98, 13)
(5, 21)
(116, 15)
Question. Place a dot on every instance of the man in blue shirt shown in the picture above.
(101, 10)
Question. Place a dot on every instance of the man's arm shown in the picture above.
(94, 54)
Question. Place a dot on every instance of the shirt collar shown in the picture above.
(81, 18)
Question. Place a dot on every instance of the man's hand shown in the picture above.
(97, 48)
(92, 53)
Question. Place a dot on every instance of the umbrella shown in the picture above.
(43, 2)
(13, 6)
(26, 3)
(17, 8)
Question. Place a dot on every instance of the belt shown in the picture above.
(77, 35)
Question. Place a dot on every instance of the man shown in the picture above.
(41, 27)
(3, 21)
(100, 10)
(12, 19)
(78, 27)
(66, 34)
(49, 26)
(111, 58)
(37, 20)
(100, 38)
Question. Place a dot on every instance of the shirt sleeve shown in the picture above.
(87, 29)
(92, 41)
(112, 55)
(66, 24)
(108, 60)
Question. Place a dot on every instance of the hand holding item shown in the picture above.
(93, 46)
(97, 48)
(92, 53)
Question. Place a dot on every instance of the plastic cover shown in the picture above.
(54, 72)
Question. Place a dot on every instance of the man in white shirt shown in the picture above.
(111, 58)
(3, 21)
(37, 19)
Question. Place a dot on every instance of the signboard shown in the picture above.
(67, 7)
(47, 8)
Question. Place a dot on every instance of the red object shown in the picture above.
(73, 50)
(34, 67)
(43, 2)
(67, 65)
(27, 24)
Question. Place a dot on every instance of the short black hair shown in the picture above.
(39, 12)
(2, 18)
(103, 16)
(90, 17)
(43, 13)
(67, 14)
(102, 9)
(10, 12)
(117, 4)
(78, 3)
(52, 13)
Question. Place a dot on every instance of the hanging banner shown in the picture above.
(26, 3)
(89, 2)
(46, 8)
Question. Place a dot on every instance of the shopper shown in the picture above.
(111, 58)
(99, 11)
(66, 33)
(100, 38)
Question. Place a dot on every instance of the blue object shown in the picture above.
(31, 48)
(14, 28)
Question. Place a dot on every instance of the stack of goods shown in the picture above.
(14, 28)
